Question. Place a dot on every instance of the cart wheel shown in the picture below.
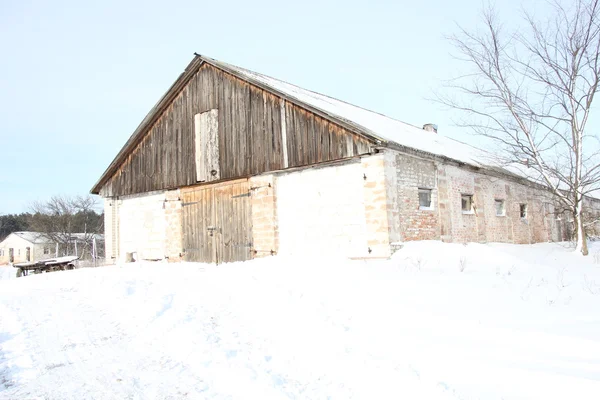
(19, 272)
(70, 266)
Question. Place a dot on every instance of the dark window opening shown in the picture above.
(500, 209)
(467, 203)
(523, 210)
(425, 199)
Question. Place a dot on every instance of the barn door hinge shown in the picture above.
(260, 187)
(241, 195)
(189, 204)
(255, 251)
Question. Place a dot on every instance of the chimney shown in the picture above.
(430, 128)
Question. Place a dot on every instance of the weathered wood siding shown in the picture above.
(249, 132)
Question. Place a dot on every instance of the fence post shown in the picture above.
(94, 252)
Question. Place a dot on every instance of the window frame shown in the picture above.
(503, 203)
(470, 198)
(523, 211)
(430, 193)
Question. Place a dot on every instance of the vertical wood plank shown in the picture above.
(284, 140)
(257, 132)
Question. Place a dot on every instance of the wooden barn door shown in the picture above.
(217, 223)
(198, 237)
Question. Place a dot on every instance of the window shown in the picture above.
(500, 210)
(46, 250)
(523, 210)
(425, 199)
(19, 252)
(467, 203)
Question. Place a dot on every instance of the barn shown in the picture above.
(231, 165)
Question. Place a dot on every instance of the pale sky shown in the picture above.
(77, 78)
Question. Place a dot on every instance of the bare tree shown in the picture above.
(531, 92)
(61, 218)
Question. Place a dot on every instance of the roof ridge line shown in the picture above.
(304, 89)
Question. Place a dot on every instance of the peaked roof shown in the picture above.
(33, 237)
(376, 125)
(42, 238)
(379, 128)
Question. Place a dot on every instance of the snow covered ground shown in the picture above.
(438, 321)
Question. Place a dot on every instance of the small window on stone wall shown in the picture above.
(523, 210)
(425, 199)
(46, 250)
(467, 203)
(500, 210)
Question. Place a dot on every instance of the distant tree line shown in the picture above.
(58, 218)
(10, 223)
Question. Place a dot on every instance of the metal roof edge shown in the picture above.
(148, 121)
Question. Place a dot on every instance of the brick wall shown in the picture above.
(483, 224)
(448, 222)
(416, 223)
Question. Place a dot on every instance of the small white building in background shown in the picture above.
(26, 246)
(33, 246)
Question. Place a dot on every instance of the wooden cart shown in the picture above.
(49, 265)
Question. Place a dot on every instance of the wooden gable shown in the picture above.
(256, 131)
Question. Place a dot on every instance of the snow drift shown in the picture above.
(438, 321)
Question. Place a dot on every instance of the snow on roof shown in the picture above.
(38, 237)
(378, 125)
(33, 237)
(83, 236)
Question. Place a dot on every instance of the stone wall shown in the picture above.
(142, 226)
(377, 208)
(173, 226)
(148, 225)
(360, 208)
(265, 227)
(321, 211)
(111, 218)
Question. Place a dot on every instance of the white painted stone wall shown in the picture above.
(322, 211)
(110, 234)
(142, 226)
